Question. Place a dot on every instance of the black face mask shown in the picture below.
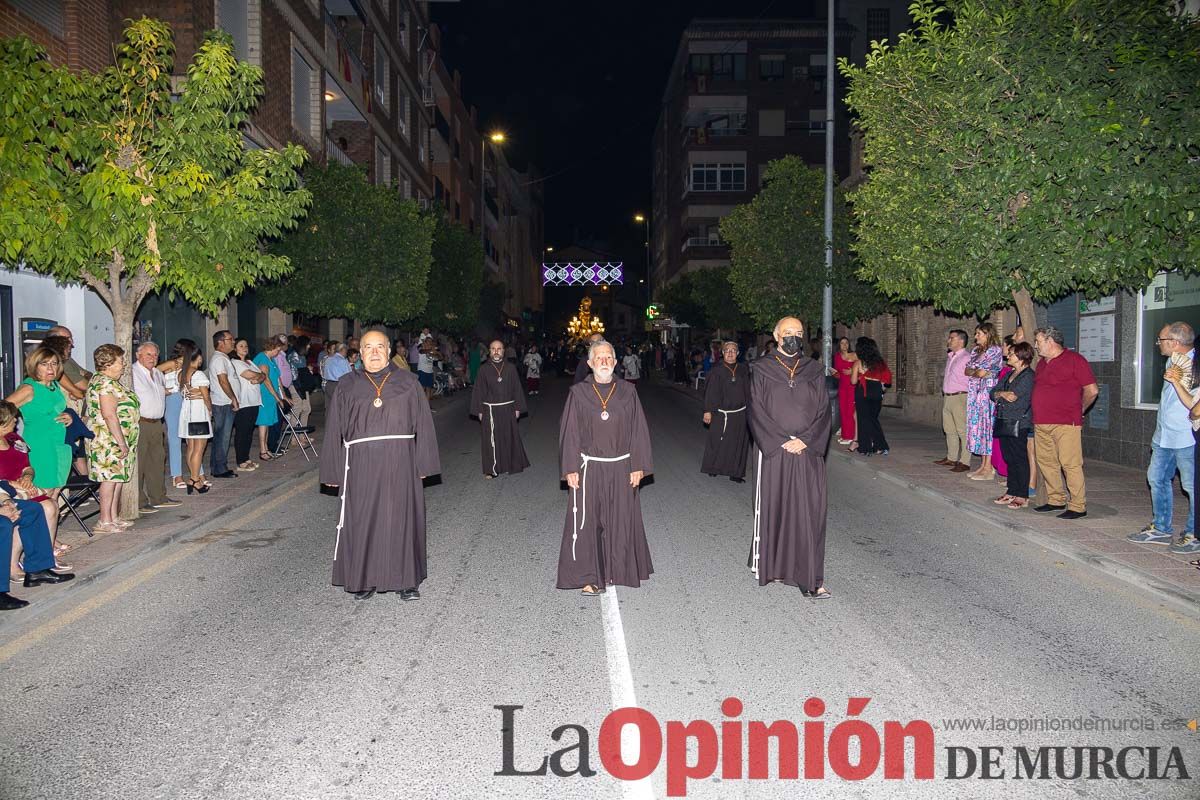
(791, 345)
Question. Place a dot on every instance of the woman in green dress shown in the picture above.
(43, 408)
(112, 412)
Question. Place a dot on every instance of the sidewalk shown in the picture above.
(1118, 503)
(93, 559)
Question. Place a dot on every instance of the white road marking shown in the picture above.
(620, 681)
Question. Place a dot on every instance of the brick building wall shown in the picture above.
(83, 39)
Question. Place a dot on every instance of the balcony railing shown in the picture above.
(701, 241)
(335, 153)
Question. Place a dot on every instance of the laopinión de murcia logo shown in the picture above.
(812, 749)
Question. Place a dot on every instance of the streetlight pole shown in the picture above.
(645, 220)
(497, 137)
(827, 299)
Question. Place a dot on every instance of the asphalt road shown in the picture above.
(227, 667)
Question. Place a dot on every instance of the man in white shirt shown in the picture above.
(151, 447)
(223, 392)
(425, 366)
(533, 370)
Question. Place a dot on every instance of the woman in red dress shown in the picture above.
(15, 470)
(843, 363)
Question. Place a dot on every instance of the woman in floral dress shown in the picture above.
(112, 413)
(982, 372)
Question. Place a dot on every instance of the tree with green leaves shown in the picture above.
(362, 253)
(111, 180)
(455, 279)
(703, 299)
(778, 251)
(1020, 150)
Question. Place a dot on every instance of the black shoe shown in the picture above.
(47, 576)
(1068, 514)
(1047, 507)
(738, 480)
(410, 594)
(366, 594)
(226, 474)
(10, 603)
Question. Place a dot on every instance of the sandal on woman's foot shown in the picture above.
(596, 591)
(265, 456)
(1003, 500)
(820, 594)
(60, 549)
(178, 483)
(979, 477)
(1018, 503)
(107, 527)
(59, 567)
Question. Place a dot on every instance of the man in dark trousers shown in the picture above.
(498, 401)
(726, 397)
(791, 422)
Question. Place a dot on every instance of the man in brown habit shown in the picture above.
(726, 395)
(604, 452)
(498, 400)
(791, 421)
(379, 444)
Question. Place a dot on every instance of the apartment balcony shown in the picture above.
(349, 73)
(335, 154)
(704, 247)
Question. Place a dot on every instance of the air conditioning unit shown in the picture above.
(427, 94)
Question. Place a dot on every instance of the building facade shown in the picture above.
(352, 81)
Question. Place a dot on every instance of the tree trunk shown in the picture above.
(1027, 311)
(123, 319)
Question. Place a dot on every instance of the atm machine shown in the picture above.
(33, 332)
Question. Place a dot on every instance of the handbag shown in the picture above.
(197, 430)
(1008, 429)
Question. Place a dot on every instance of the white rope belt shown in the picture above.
(725, 418)
(346, 476)
(757, 513)
(579, 523)
(492, 429)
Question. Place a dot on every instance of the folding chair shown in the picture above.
(78, 489)
(292, 428)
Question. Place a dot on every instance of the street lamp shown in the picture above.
(644, 221)
(496, 137)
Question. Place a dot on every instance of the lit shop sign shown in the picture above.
(583, 274)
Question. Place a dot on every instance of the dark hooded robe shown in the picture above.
(727, 397)
(604, 541)
(497, 394)
(789, 494)
(377, 456)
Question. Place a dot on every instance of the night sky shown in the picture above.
(578, 86)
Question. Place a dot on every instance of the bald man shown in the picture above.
(379, 443)
(78, 375)
(498, 401)
(791, 422)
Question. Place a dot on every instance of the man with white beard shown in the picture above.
(604, 452)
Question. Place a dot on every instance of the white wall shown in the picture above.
(77, 307)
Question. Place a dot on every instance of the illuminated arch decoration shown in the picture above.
(583, 274)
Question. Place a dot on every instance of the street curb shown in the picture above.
(45, 607)
(176, 532)
(1180, 599)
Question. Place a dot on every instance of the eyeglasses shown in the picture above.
(1160, 341)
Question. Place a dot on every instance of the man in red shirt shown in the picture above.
(1063, 388)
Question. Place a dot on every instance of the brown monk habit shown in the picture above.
(494, 399)
(726, 397)
(604, 541)
(790, 499)
(377, 455)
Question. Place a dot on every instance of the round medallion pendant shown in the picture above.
(378, 402)
(499, 380)
(604, 415)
